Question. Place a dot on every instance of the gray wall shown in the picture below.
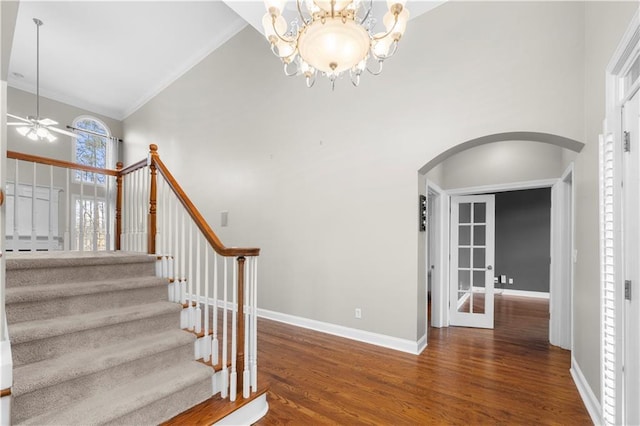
(523, 222)
(334, 173)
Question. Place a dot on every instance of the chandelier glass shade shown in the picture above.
(333, 37)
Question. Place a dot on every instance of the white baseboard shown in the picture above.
(588, 397)
(403, 345)
(522, 293)
(247, 414)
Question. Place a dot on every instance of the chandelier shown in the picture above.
(333, 37)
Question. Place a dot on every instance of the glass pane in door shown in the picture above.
(472, 257)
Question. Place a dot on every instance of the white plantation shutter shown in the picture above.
(607, 279)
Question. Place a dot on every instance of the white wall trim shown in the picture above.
(522, 293)
(588, 397)
(502, 187)
(402, 345)
(247, 414)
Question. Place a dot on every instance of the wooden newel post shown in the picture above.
(240, 341)
(119, 166)
(151, 230)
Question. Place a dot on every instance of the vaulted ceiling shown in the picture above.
(111, 57)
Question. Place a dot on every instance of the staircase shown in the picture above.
(95, 341)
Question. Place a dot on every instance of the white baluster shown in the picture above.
(190, 279)
(16, 198)
(254, 319)
(67, 222)
(225, 371)
(50, 235)
(94, 213)
(234, 334)
(198, 311)
(246, 378)
(108, 199)
(81, 214)
(214, 342)
(33, 210)
(207, 336)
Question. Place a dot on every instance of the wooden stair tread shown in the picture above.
(213, 409)
(217, 367)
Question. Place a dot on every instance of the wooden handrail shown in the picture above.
(135, 166)
(59, 163)
(208, 233)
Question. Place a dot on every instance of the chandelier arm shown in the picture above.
(379, 68)
(301, 15)
(311, 82)
(394, 48)
(395, 22)
(355, 81)
(275, 31)
(366, 16)
(287, 72)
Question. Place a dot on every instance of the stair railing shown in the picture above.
(45, 194)
(142, 208)
(217, 285)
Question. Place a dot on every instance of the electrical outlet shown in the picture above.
(510, 281)
(358, 313)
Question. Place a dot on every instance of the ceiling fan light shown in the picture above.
(50, 137)
(23, 130)
(42, 132)
(32, 135)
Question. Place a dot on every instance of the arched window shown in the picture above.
(92, 192)
(92, 148)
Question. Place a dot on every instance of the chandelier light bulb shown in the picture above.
(391, 3)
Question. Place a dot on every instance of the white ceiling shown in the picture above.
(110, 57)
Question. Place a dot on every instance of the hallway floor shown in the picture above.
(509, 375)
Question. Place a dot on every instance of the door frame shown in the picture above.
(440, 245)
(563, 254)
(515, 186)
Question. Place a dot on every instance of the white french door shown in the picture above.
(631, 249)
(472, 248)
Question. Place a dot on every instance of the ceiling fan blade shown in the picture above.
(64, 132)
(47, 122)
(26, 120)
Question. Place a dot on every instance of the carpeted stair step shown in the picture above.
(52, 383)
(69, 267)
(33, 341)
(146, 400)
(39, 302)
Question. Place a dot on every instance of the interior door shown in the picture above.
(472, 248)
(631, 251)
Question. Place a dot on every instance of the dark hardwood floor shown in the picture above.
(509, 375)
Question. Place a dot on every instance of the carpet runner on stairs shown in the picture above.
(95, 341)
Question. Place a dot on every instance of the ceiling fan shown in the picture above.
(35, 127)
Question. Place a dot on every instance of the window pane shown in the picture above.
(464, 215)
(464, 258)
(479, 212)
(479, 235)
(464, 235)
(478, 257)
